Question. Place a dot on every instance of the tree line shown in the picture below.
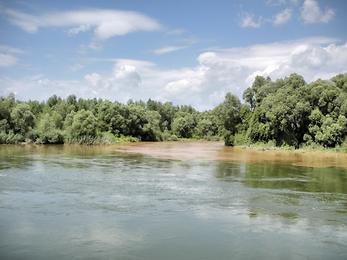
(284, 112)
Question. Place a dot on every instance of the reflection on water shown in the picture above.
(83, 202)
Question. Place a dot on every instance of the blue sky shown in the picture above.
(187, 52)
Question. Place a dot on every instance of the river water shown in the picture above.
(170, 201)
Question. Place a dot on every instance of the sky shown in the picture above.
(186, 52)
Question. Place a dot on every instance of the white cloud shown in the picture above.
(127, 75)
(104, 23)
(7, 60)
(168, 49)
(9, 49)
(311, 13)
(282, 17)
(204, 85)
(249, 20)
(93, 79)
(38, 87)
(8, 56)
(234, 69)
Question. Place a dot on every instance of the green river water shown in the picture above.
(62, 202)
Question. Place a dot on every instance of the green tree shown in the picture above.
(228, 116)
(135, 119)
(22, 118)
(151, 130)
(83, 127)
(183, 125)
(47, 130)
(110, 117)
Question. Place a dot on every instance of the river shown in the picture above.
(175, 200)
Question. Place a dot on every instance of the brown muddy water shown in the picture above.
(180, 200)
(216, 151)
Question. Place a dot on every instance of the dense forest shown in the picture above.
(285, 112)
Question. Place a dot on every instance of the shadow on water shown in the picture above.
(287, 192)
(70, 156)
(280, 176)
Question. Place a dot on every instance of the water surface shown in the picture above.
(189, 201)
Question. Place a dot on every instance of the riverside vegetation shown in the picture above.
(287, 112)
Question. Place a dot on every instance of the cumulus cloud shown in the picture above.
(249, 20)
(122, 83)
(312, 13)
(204, 85)
(234, 69)
(282, 17)
(105, 23)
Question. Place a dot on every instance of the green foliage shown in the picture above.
(332, 132)
(82, 128)
(151, 129)
(229, 139)
(286, 113)
(183, 125)
(295, 113)
(206, 127)
(107, 138)
(110, 117)
(22, 118)
(241, 139)
(135, 120)
(228, 113)
(11, 138)
(48, 131)
(343, 146)
(168, 136)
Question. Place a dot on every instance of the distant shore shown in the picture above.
(254, 147)
(305, 149)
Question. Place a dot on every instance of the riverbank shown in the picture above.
(315, 148)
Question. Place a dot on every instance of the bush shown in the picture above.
(11, 138)
(167, 136)
(47, 131)
(213, 138)
(241, 139)
(229, 139)
(127, 139)
(82, 129)
(107, 138)
(343, 146)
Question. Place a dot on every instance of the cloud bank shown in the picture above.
(204, 85)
